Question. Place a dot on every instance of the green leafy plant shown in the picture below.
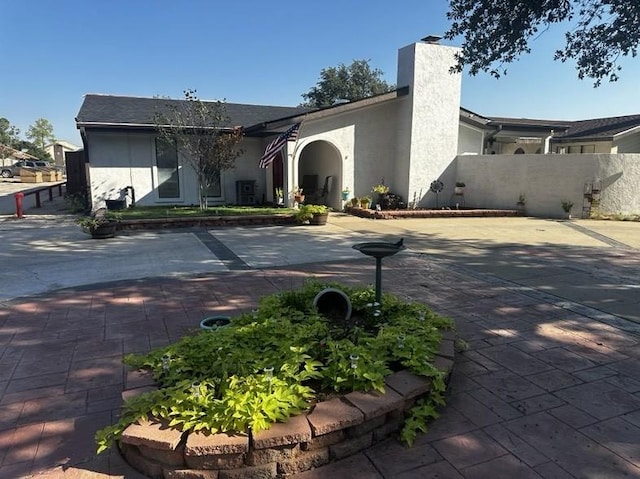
(93, 222)
(276, 361)
(365, 201)
(380, 189)
(567, 205)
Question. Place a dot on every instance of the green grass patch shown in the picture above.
(153, 212)
(276, 361)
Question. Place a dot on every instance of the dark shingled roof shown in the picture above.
(109, 110)
(119, 111)
(601, 127)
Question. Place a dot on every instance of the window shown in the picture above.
(214, 190)
(167, 164)
(582, 149)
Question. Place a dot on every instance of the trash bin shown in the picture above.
(115, 205)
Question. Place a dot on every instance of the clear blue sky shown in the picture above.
(254, 51)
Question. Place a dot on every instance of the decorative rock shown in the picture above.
(215, 461)
(304, 461)
(153, 434)
(350, 446)
(265, 471)
(393, 424)
(294, 431)
(189, 474)
(200, 443)
(139, 462)
(332, 415)
(366, 426)
(447, 349)
(443, 364)
(408, 384)
(323, 440)
(448, 334)
(169, 458)
(277, 454)
(373, 404)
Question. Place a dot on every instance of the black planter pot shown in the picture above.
(333, 304)
(214, 322)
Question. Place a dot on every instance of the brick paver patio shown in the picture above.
(544, 390)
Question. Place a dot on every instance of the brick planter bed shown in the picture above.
(332, 430)
(447, 213)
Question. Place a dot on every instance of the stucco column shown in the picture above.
(428, 120)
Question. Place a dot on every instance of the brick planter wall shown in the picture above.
(332, 430)
(447, 213)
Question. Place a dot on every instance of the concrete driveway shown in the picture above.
(549, 386)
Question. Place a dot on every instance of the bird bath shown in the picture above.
(379, 250)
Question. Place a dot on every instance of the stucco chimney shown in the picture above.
(428, 118)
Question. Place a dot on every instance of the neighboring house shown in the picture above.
(405, 138)
(10, 156)
(57, 151)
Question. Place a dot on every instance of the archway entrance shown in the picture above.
(320, 174)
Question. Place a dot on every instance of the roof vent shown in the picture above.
(433, 39)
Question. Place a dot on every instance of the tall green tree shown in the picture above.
(201, 130)
(9, 134)
(352, 82)
(41, 132)
(497, 32)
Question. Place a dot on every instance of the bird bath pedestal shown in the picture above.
(379, 250)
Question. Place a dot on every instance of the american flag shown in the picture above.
(273, 148)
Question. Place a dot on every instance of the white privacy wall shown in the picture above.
(496, 181)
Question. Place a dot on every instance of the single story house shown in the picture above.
(58, 149)
(406, 138)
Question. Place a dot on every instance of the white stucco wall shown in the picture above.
(118, 160)
(496, 181)
(470, 140)
(428, 123)
(365, 140)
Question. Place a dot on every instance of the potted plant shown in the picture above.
(355, 201)
(298, 195)
(520, 203)
(566, 206)
(312, 214)
(365, 202)
(100, 225)
(380, 189)
(345, 194)
(459, 188)
(279, 194)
